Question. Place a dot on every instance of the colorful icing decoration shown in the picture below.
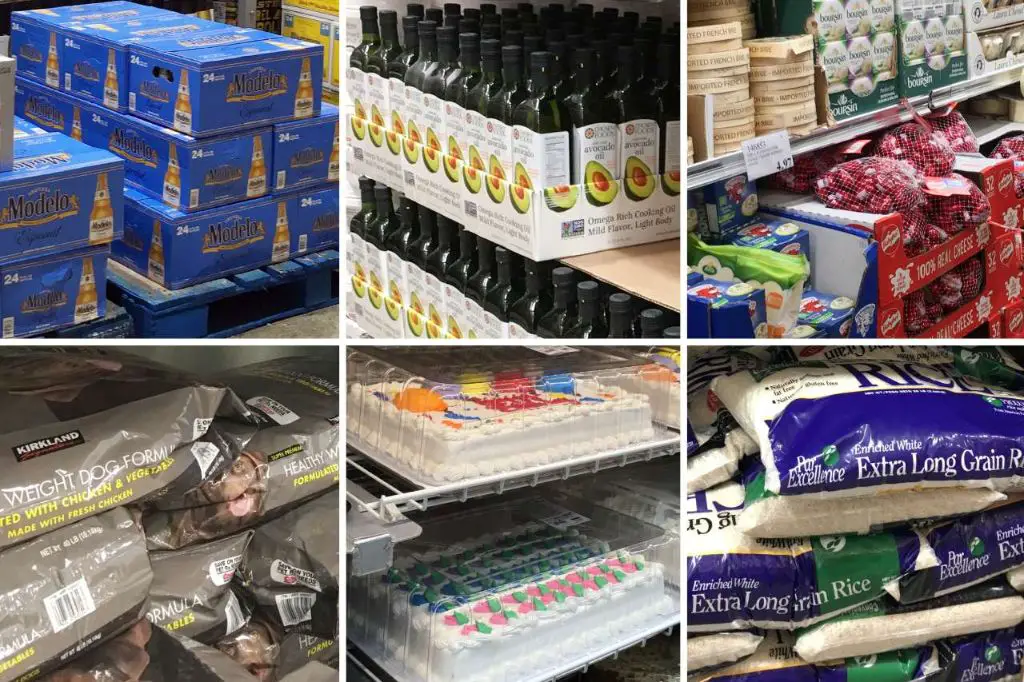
(601, 581)
(419, 400)
(619, 575)
(538, 604)
(456, 618)
(559, 596)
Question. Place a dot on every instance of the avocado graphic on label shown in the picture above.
(561, 198)
(599, 186)
(670, 183)
(431, 159)
(434, 323)
(639, 181)
(520, 198)
(412, 147)
(495, 181)
(976, 547)
(453, 328)
(393, 302)
(376, 291)
(454, 150)
(359, 281)
(473, 171)
(394, 142)
(414, 315)
(377, 126)
(396, 123)
(451, 161)
(522, 177)
(359, 128)
(830, 455)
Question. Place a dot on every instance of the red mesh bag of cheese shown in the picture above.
(954, 128)
(958, 211)
(1009, 148)
(871, 185)
(807, 168)
(920, 312)
(916, 144)
(958, 286)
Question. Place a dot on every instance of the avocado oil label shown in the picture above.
(433, 116)
(476, 149)
(414, 116)
(639, 140)
(416, 288)
(672, 147)
(499, 143)
(454, 306)
(377, 97)
(456, 143)
(357, 89)
(492, 327)
(396, 101)
(434, 304)
(355, 257)
(376, 274)
(597, 143)
(473, 319)
(544, 156)
(396, 295)
(517, 332)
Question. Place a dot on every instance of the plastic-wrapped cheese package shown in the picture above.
(862, 428)
(871, 185)
(735, 581)
(957, 132)
(917, 145)
(956, 212)
(1009, 148)
(806, 170)
(886, 625)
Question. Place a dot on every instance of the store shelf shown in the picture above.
(651, 271)
(398, 491)
(369, 540)
(388, 671)
(989, 129)
(724, 167)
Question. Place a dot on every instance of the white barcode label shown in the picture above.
(471, 209)
(205, 454)
(8, 327)
(68, 605)
(223, 570)
(295, 608)
(559, 517)
(273, 409)
(410, 179)
(193, 198)
(200, 427)
(233, 614)
(357, 153)
(282, 177)
(131, 101)
(303, 242)
(553, 350)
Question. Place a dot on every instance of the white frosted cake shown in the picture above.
(659, 381)
(518, 601)
(449, 433)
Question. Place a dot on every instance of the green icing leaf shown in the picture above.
(431, 596)
(519, 596)
(494, 605)
(483, 627)
(544, 589)
(461, 618)
(639, 565)
(577, 589)
(601, 581)
(619, 575)
(509, 613)
(538, 604)
(604, 567)
(560, 596)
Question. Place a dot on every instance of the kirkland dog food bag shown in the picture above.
(863, 428)
(81, 433)
(739, 582)
(70, 590)
(291, 457)
(293, 563)
(179, 659)
(886, 625)
(122, 659)
(312, 672)
(191, 594)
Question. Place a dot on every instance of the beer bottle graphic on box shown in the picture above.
(155, 270)
(86, 304)
(101, 220)
(172, 178)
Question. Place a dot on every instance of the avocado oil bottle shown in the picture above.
(377, 232)
(378, 84)
(456, 277)
(397, 68)
(359, 60)
(499, 110)
(564, 309)
(589, 323)
(480, 283)
(439, 260)
(478, 98)
(434, 87)
(652, 323)
(541, 132)
(639, 135)
(416, 255)
(620, 316)
(424, 67)
(526, 312)
(456, 95)
(668, 113)
(396, 295)
(595, 132)
(508, 289)
(355, 255)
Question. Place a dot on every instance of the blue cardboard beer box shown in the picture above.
(734, 310)
(23, 128)
(37, 39)
(313, 220)
(212, 83)
(306, 152)
(829, 315)
(180, 170)
(61, 195)
(55, 291)
(94, 55)
(774, 234)
(177, 249)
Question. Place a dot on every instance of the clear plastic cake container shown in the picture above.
(658, 379)
(503, 590)
(445, 415)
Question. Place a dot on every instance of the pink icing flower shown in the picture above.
(629, 568)
(590, 584)
(573, 578)
(481, 607)
(499, 619)
(533, 591)
(525, 607)
(548, 598)
(594, 570)
(469, 629)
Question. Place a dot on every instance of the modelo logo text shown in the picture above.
(151, 90)
(255, 85)
(43, 301)
(133, 148)
(226, 237)
(86, 72)
(42, 112)
(306, 158)
(46, 207)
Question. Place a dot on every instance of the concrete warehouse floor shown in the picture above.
(319, 324)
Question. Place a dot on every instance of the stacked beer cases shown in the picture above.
(229, 158)
(317, 21)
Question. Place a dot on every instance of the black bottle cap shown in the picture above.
(620, 303)
(468, 25)
(488, 8)
(472, 13)
(652, 322)
(574, 41)
(366, 184)
(368, 13)
(588, 291)
(381, 192)
(435, 15)
(512, 55)
(532, 44)
(446, 36)
(469, 42)
(452, 8)
(415, 9)
(563, 277)
(554, 35)
(508, 12)
(501, 255)
(427, 29)
(490, 47)
(388, 17)
(514, 38)
(670, 333)
(491, 31)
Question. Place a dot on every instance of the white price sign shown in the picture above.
(767, 154)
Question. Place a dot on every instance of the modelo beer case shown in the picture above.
(218, 82)
(56, 291)
(176, 249)
(36, 38)
(306, 152)
(61, 195)
(313, 219)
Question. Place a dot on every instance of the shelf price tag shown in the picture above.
(767, 154)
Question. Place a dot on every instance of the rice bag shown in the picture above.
(720, 648)
(886, 625)
(737, 582)
(916, 144)
(872, 185)
(861, 428)
(717, 459)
